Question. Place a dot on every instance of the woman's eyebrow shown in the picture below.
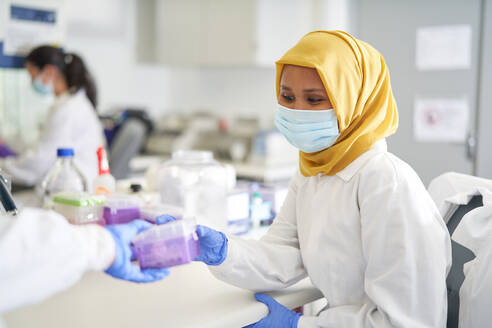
(313, 90)
(285, 88)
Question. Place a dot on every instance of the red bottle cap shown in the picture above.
(102, 161)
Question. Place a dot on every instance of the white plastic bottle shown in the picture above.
(63, 176)
(104, 183)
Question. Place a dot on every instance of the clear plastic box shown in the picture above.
(79, 207)
(151, 212)
(196, 182)
(120, 208)
(167, 245)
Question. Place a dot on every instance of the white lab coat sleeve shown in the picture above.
(271, 263)
(42, 254)
(31, 166)
(407, 250)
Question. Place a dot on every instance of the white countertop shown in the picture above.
(189, 297)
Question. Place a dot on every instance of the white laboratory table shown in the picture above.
(189, 297)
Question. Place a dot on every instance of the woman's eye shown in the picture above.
(288, 98)
(315, 100)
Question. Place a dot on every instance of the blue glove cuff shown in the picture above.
(223, 250)
(295, 320)
(119, 256)
(221, 255)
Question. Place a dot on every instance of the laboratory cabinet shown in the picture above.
(224, 33)
(395, 28)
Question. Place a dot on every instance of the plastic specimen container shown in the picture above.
(120, 208)
(79, 207)
(151, 212)
(167, 245)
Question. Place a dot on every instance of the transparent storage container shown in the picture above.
(167, 245)
(79, 207)
(196, 182)
(121, 208)
(151, 212)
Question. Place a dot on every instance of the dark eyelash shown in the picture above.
(288, 98)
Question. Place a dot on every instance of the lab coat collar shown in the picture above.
(348, 172)
(61, 99)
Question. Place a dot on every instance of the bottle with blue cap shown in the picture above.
(63, 176)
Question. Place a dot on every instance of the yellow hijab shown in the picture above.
(357, 82)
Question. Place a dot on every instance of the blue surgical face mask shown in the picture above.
(42, 88)
(308, 130)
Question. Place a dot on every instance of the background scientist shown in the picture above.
(72, 119)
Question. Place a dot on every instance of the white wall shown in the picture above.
(124, 82)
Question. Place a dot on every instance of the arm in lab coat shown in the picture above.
(407, 250)
(272, 263)
(30, 167)
(42, 254)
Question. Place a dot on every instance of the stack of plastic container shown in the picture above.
(167, 245)
(120, 208)
(79, 207)
(151, 212)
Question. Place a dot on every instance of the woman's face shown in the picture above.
(46, 74)
(302, 88)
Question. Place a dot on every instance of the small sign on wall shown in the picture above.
(444, 47)
(441, 119)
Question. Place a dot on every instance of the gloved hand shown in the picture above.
(163, 219)
(279, 316)
(5, 151)
(122, 267)
(213, 245)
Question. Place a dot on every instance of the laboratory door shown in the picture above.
(392, 28)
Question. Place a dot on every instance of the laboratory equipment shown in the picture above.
(151, 212)
(238, 219)
(167, 245)
(266, 201)
(260, 211)
(104, 183)
(196, 182)
(5, 195)
(121, 208)
(64, 176)
(79, 207)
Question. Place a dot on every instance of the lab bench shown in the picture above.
(189, 297)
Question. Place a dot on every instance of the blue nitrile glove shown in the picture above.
(5, 151)
(213, 245)
(122, 267)
(279, 316)
(163, 219)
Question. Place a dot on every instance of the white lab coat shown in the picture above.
(42, 254)
(475, 233)
(370, 238)
(449, 191)
(71, 122)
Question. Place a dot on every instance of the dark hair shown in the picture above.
(70, 65)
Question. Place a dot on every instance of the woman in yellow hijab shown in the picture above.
(357, 220)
